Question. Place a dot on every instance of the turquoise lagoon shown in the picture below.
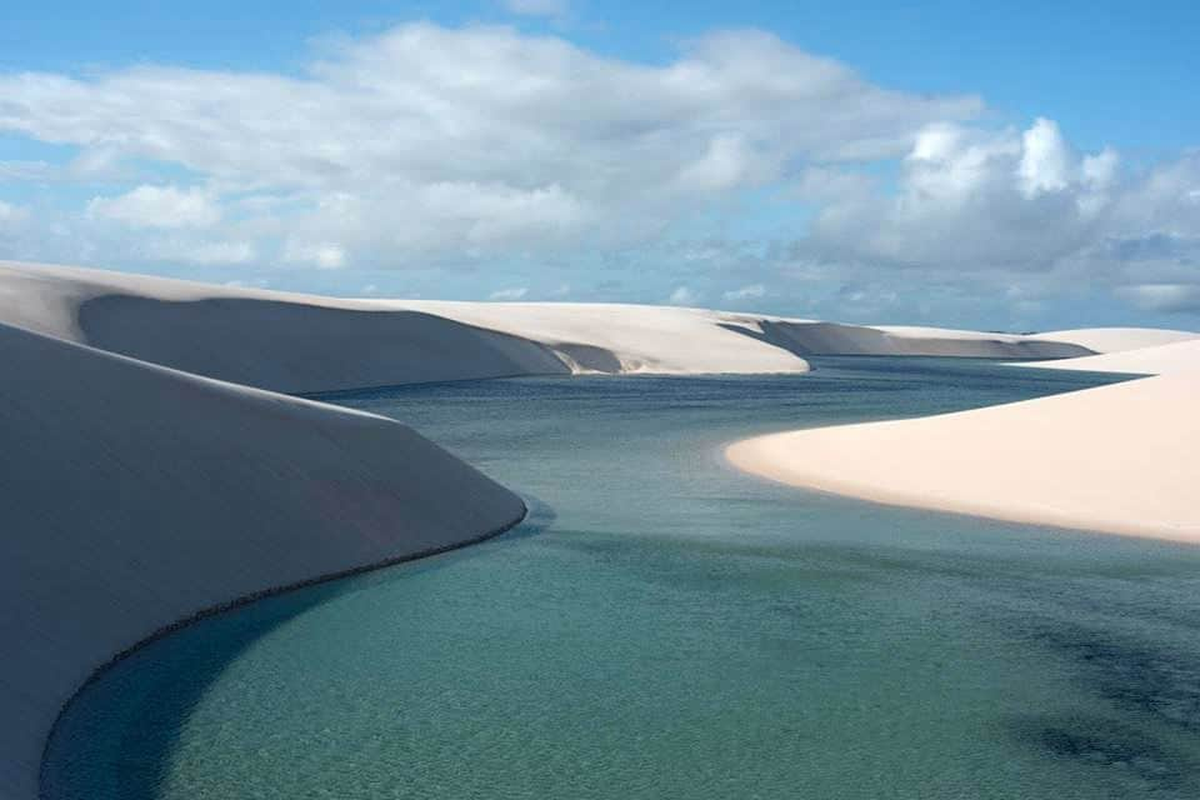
(665, 627)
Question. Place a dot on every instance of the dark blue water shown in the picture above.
(664, 626)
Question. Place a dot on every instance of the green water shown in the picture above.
(664, 627)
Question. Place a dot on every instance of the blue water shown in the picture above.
(663, 626)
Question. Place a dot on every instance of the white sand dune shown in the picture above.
(1114, 340)
(271, 340)
(1121, 459)
(133, 496)
(304, 343)
(1179, 356)
(835, 339)
(612, 337)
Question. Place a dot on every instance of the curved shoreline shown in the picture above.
(1115, 459)
(241, 602)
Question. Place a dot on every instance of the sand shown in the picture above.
(835, 339)
(134, 496)
(1119, 459)
(270, 340)
(1115, 340)
(304, 343)
(1179, 356)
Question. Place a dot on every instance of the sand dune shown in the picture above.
(303, 343)
(1180, 356)
(271, 340)
(611, 337)
(1120, 459)
(135, 496)
(1114, 340)
(834, 339)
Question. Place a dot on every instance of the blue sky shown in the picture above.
(902, 171)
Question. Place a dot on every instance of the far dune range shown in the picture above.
(1120, 459)
(300, 343)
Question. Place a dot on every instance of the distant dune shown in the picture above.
(834, 339)
(1114, 340)
(1163, 359)
(134, 496)
(303, 343)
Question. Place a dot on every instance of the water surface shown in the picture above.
(663, 626)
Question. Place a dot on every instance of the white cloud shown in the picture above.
(751, 292)
(538, 8)
(430, 146)
(509, 294)
(1044, 156)
(427, 141)
(158, 207)
(322, 255)
(683, 296)
(974, 200)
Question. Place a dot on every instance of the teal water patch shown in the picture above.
(664, 626)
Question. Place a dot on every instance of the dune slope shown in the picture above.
(271, 340)
(1120, 458)
(834, 339)
(1114, 340)
(134, 496)
(1180, 356)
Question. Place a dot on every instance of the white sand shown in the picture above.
(1114, 340)
(134, 496)
(830, 338)
(304, 343)
(271, 340)
(1180, 356)
(612, 337)
(1120, 459)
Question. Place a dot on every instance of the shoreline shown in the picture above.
(245, 600)
(1114, 459)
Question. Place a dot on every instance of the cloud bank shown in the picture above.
(429, 146)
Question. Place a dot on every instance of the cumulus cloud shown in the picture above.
(473, 140)
(433, 147)
(974, 199)
(158, 207)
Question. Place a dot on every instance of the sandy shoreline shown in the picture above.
(1117, 459)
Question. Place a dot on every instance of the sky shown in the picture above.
(1024, 166)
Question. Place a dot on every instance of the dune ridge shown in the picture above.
(135, 496)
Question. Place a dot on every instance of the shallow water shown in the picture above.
(663, 626)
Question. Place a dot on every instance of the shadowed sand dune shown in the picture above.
(283, 342)
(134, 496)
